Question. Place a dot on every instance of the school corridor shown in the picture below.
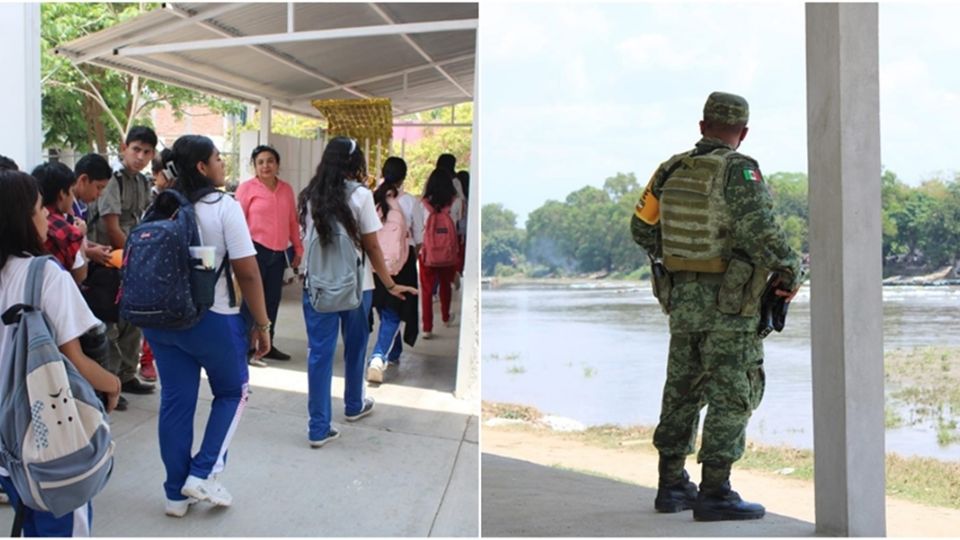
(408, 469)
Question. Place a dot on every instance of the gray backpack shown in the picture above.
(54, 438)
(334, 279)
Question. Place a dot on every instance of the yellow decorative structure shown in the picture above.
(369, 121)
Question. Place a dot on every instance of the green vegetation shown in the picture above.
(87, 107)
(516, 370)
(923, 382)
(589, 232)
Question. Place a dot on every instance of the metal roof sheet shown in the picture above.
(417, 71)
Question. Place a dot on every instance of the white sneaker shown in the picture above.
(178, 508)
(376, 369)
(210, 490)
(449, 323)
(427, 335)
(332, 434)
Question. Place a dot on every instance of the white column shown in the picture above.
(846, 302)
(266, 117)
(21, 138)
(468, 357)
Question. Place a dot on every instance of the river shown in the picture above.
(596, 352)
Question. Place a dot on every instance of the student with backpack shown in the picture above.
(120, 208)
(196, 323)
(440, 254)
(340, 222)
(23, 230)
(399, 244)
(64, 234)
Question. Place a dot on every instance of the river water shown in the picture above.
(596, 352)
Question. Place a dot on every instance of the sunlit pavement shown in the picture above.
(408, 469)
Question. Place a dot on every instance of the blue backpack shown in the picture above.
(54, 437)
(164, 287)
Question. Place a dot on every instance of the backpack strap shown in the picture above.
(33, 290)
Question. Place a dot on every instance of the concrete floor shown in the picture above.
(526, 499)
(409, 469)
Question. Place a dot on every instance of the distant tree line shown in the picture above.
(589, 231)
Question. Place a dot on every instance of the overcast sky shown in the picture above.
(574, 93)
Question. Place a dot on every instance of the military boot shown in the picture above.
(675, 491)
(717, 502)
(676, 497)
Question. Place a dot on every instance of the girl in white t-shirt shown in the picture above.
(320, 203)
(217, 344)
(23, 230)
(392, 310)
(438, 195)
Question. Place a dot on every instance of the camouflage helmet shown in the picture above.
(727, 109)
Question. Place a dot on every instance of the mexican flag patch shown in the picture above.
(752, 175)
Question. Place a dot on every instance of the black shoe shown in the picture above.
(367, 409)
(121, 404)
(134, 386)
(276, 354)
(725, 505)
(677, 497)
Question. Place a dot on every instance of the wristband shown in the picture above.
(263, 327)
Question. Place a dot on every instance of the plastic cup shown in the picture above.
(206, 254)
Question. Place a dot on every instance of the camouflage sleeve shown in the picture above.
(645, 223)
(755, 229)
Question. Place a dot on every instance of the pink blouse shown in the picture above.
(271, 215)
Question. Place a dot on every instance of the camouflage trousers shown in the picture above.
(722, 371)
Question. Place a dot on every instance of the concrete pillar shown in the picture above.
(266, 118)
(846, 303)
(468, 357)
(21, 138)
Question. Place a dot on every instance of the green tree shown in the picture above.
(501, 242)
(86, 107)
(422, 155)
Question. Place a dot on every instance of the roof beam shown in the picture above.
(273, 55)
(176, 77)
(388, 75)
(383, 14)
(160, 29)
(313, 35)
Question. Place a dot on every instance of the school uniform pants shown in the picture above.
(123, 356)
(389, 344)
(218, 345)
(40, 523)
(322, 331)
(429, 276)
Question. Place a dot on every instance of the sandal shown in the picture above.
(258, 362)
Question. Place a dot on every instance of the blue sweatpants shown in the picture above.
(389, 345)
(218, 344)
(322, 342)
(40, 523)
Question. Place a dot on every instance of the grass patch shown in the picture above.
(511, 411)
(589, 372)
(892, 418)
(516, 370)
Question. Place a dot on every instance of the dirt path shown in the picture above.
(785, 496)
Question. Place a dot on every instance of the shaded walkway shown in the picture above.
(526, 499)
(408, 469)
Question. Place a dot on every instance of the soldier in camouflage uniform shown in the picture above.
(706, 219)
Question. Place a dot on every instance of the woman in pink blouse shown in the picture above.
(268, 204)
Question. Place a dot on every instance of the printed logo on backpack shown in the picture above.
(55, 441)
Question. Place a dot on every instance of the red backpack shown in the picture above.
(393, 237)
(440, 243)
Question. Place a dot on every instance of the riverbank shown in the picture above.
(524, 432)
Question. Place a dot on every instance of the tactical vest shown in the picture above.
(694, 218)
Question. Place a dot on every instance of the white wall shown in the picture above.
(21, 137)
(298, 157)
